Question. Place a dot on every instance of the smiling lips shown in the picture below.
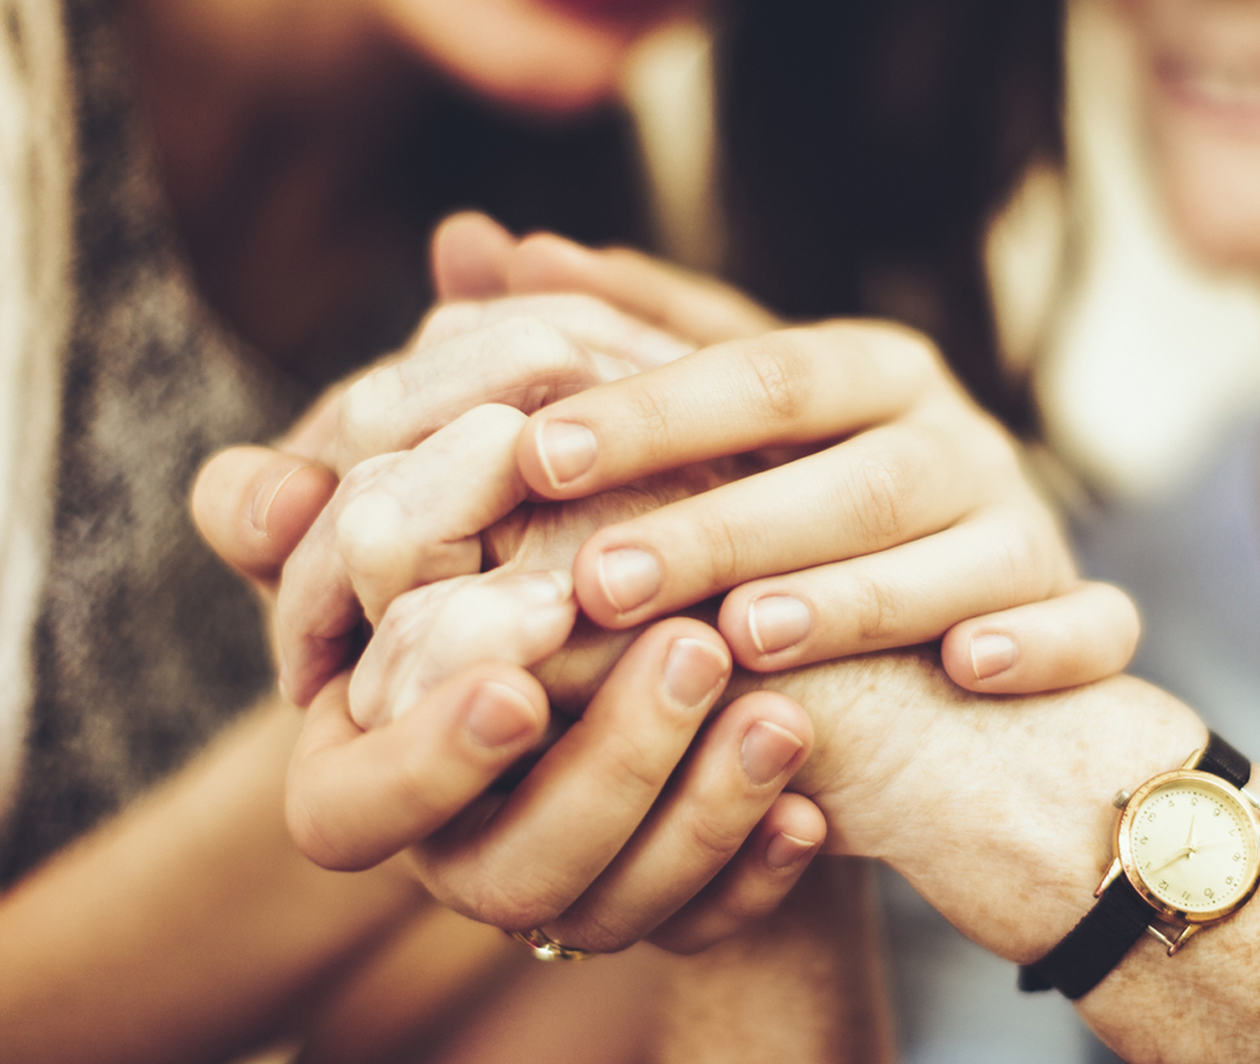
(1232, 86)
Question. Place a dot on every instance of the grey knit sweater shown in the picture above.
(141, 645)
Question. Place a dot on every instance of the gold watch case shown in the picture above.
(1189, 843)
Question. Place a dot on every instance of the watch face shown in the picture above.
(1190, 843)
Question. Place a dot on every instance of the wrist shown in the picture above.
(998, 811)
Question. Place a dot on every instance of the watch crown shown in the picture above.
(1121, 799)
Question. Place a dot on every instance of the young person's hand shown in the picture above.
(653, 815)
(896, 512)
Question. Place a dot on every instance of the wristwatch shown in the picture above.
(1186, 856)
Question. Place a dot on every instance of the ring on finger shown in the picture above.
(546, 948)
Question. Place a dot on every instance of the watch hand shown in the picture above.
(1185, 851)
(1213, 842)
(1190, 834)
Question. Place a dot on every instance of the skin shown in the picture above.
(309, 479)
(399, 648)
(1199, 61)
(310, 238)
(1028, 817)
(942, 479)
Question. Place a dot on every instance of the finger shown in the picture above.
(421, 516)
(397, 521)
(791, 387)
(1085, 634)
(469, 255)
(754, 883)
(898, 597)
(253, 504)
(428, 634)
(884, 487)
(579, 805)
(353, 799)
(597, 325)
(689, 304)
(523, 353)
(730, 781)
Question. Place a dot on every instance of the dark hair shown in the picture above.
(866, 146)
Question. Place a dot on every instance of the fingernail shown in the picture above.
(628, 577)
(260, 505)
(991, 654)
(693, 673)
(784, 851)
(777, 622)
(767, 750)
(566, 451)
(499, 716)
(543, 588)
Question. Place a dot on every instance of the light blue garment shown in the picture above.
(956, 1003)
(1192, 562)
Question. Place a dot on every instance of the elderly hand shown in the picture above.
(651, 816)
(682, 834)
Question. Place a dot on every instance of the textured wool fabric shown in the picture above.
(144, 643)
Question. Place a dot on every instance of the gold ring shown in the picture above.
(546, 948)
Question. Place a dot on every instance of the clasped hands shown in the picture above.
(832, 481)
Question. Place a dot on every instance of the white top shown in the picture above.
(35, 215)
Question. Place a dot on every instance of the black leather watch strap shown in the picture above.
(1108, 931)
(1223, 760)
(1094, 946)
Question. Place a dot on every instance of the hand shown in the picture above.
(687, 848)
(628, 825)
(376, 537)
(979, 537)
(910, 517)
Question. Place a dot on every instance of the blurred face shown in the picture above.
(541, 55)
(1201, 71)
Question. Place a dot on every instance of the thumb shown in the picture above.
(253, 504)
(469, 254)
(690, 305)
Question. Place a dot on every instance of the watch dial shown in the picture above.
(1193, 846)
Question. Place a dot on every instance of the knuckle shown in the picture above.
(512, 902)
(778, 371)
(631, 772)
(714, 839)
(359, 416)
(414, 795)
(652, 416)
(917, 355)
(1018, 561)
(600, 932)
(362, 477)
(447, 321)
(496, 420)
(308, 834)
(876, 612)
(754, 902)
(543, 356)
(722, 553)
(879, 486)
(403, 623)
